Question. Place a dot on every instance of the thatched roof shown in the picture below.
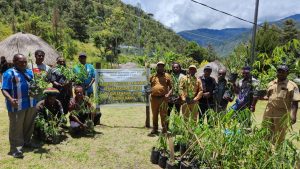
(27, 43)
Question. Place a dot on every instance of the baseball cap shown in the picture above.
(207, 67)
(192, 66)
(283, 67)
(160, 63)
(82, 54)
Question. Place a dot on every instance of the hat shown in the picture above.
(51, 91)
(283, 67)
(207, 67)
(82, 54)
(246, 68)
(160, 63)
(192, 66)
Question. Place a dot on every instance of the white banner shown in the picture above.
(120, 85)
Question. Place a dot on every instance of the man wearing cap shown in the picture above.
(160, 91)
(48, 110)
(20, 106)
(88, 71)
(245, 100)
(207, 101)
(283, 97)
(190, 91)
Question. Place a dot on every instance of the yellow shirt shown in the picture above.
(281, 95)
(160, 84)
(190, 86)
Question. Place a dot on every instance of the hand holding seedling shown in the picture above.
(206, 95)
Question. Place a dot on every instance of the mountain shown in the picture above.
(225, 40)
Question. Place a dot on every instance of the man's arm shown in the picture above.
(181, 89)
(13, 101)
(200, 90)
(294, 112)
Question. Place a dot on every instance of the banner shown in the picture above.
(120, 85)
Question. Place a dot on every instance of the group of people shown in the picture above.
(195, 96)
(57, 101)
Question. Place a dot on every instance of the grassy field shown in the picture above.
(121, 142)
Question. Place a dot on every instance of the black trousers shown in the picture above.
(170, 108)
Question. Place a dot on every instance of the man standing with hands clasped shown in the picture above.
(160, 91)
(283, 97)
(20, 106)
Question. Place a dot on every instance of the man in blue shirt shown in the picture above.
(89, 79)
(20, 106)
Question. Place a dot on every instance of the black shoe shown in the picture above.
(18, 154)
(31, 145)
(153, 133)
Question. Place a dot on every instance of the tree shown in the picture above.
(78, 22)
(196, 52)
(211, 53)
(290, 31)
(267, 38)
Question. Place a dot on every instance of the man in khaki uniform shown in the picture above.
(191, 91)
(160, 91)
(283, 97)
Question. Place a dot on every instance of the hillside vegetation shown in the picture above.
(97, 27)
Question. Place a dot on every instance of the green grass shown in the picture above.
(121, 142)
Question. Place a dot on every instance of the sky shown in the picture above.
(186, 15)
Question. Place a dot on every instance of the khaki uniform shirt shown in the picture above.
(160, 84)
(190, 87)
(281, 95)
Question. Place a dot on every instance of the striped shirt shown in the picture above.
(18, 87)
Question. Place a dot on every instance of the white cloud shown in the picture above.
(186, 15)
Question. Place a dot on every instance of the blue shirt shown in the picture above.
(91, 74)
(18, 87)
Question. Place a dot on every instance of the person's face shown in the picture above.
(79, 93)
(192, 71)
(207, 72)
(160, 68)
(221, 74)
(176, 68)
(51, 99)
(39, 58)
(246, 74)
(82, 59)
(282, 75)
(61, 62)
(21, 62)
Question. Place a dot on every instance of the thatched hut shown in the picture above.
(27, 43)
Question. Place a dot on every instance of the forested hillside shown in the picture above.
(98, 27)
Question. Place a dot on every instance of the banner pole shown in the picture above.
(147, 123)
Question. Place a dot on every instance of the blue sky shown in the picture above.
(186, 15)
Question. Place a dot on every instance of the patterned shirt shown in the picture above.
(160, 84)
(91, 74)
(190, 87)
(18, 87)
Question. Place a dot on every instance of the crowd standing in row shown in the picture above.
(197, 95)
(23, 109)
